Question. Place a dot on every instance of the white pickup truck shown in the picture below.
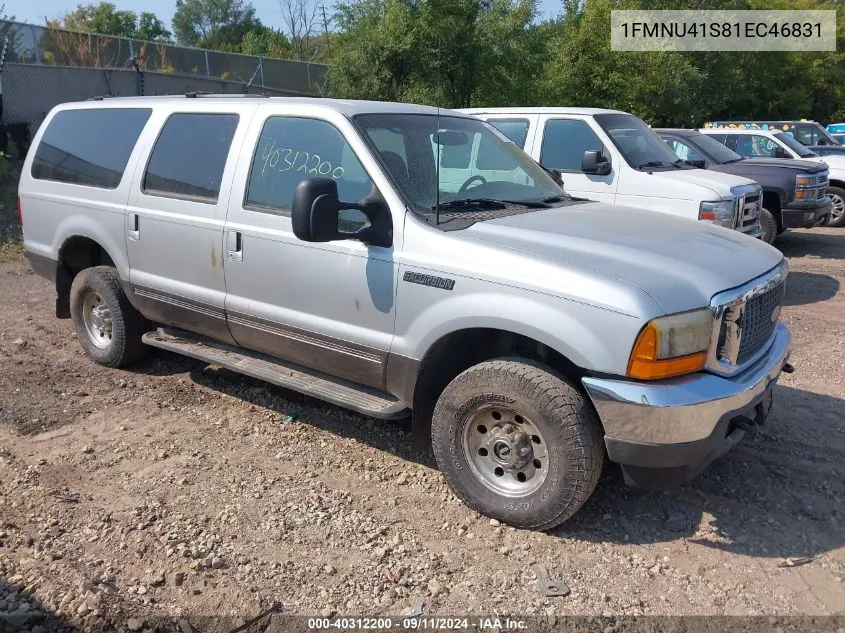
(613, 156)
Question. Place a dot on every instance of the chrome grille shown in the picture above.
(759, 321)
(747, 207)
(744, 320)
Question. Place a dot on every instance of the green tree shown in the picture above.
(219, 24)
(266, 42)
(105, 19)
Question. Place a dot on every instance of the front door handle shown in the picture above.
(133, 226)
(235, 246)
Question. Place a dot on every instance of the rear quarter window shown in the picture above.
(190, 155)
(89, 147)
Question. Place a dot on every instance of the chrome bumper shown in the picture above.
(686, 409)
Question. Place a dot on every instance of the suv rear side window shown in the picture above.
(516, 130)
(89, 147)
(564, 144)
(291, 149)
(189, 156)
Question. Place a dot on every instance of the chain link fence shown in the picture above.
(47, 66)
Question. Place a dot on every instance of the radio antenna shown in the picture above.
(437, 171)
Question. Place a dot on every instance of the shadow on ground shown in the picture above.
(803, 288)
(778, 494)
(819, 243)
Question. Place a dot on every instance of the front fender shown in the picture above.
(592, 338)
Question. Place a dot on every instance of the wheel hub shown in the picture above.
(509, 446)
(97, 320)
(505, 451)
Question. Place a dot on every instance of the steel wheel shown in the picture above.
(838, 210)
(97, 319)
(506, 451)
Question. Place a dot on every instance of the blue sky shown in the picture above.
(34, 11)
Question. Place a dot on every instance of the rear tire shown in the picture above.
(837, 214)
(517, 442)
(107, 325)
(769, 226)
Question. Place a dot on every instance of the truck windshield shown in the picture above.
(713, 149)
(794, 145)
(459, 164)
(641, 147)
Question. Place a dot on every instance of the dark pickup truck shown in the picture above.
(794, 191)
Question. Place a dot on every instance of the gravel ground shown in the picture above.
(178, 490)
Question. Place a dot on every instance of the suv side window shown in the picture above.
(564, 144)
(291, 149)
(89, 146)
(515, 129)
(190, 155)
(682, 150)
(754, 146)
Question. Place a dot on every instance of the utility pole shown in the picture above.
(326, 27)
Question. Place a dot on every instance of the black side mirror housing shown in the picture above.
(595, 162)
(315, 215)
(779, 152)
(700, 164)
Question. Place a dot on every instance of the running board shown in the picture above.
(343, 393)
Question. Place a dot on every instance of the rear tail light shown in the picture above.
(20, 212)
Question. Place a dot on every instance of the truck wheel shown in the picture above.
(517, 442)
(107, 325)
(837, 213)
(769, 226)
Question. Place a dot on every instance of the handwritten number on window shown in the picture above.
(278, 158)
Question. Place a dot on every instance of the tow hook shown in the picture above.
(788, 369)
(746, 424)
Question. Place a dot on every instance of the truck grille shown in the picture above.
(758, 323)
(817, 186)
(744, 320)
(749, 200)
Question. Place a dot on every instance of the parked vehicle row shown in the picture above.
(794, 191)
(752, 143)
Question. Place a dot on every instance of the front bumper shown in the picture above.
(663, 433)
(799, 216)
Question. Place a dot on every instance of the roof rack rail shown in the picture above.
(201, 93)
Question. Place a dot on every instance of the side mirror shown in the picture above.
(594, 162)
(700, 164)
(779, 152)
(315, 215)
(556, 174)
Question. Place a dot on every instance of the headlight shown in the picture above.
(805, 187)
(671, 346)
(720, 213)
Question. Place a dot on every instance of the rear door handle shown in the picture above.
(235, 246)
(133, 226)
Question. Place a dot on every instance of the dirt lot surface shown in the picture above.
(177, 489)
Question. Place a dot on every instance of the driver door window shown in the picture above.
(755, 146)
(564, 144)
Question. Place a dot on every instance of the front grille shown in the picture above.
(759, 321)
(750, 212)
(744, 321)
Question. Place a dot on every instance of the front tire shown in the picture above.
(837, 214)
(517, 442)
(769, 226)
(107, 325)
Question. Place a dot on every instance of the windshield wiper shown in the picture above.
(655, 163)
(472, 203)
(492, 204)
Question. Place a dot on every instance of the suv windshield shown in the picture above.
(462, 164)
(712, 148)
(641, 147)
(794, 145)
